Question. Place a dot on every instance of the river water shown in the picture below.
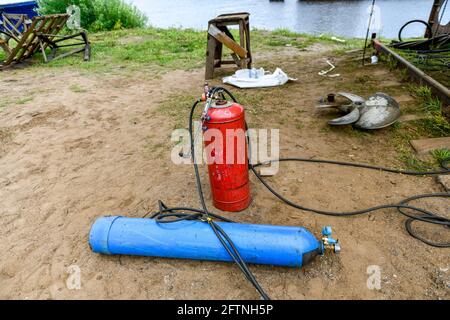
(339, 17)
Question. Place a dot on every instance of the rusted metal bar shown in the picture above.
(441, 91)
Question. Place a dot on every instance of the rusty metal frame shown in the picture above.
(433, 20)
(441, 91)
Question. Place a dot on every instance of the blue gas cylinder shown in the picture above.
(257, 244)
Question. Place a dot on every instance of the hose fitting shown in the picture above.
(328, 243)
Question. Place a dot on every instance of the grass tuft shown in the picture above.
(441, 155)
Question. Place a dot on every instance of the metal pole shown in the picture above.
(367, 33)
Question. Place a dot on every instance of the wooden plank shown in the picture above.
(46, 25)
(424, 146)
(230, 17)
(19, 46)
(30, 39)
(227, 41)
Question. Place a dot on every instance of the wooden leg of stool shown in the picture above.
(247, 40)
(218, 54)
(210, 54)
(242, 41)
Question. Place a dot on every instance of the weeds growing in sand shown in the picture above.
(441, 155)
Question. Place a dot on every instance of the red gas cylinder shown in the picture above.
(226, 153)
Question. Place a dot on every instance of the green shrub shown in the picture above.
(99, 15)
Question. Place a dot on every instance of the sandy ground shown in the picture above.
(78, 146)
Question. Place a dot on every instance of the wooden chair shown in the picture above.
(41, 33)
(219, 35)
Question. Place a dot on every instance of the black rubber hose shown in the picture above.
(424, 46)
(427, 216)
(429, 32)
(366, 166)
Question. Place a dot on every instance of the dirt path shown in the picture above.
(81, 146)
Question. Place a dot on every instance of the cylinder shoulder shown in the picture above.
(228, 113)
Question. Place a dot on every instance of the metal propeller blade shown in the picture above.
(352, 117)
(352, 97)
(323, 106)
(379, 111)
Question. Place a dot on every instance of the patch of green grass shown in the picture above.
(434, 125)
(279, 38)
(177, 107)
(287, 38)
(77, 89)
(24, 100)
(435, 67)
(403, 133)
(135, 49)
(441, 155)
(257, 105)
(284, 32)
(413, 163)
(362, 79)
(392, 63)
(429, 103)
